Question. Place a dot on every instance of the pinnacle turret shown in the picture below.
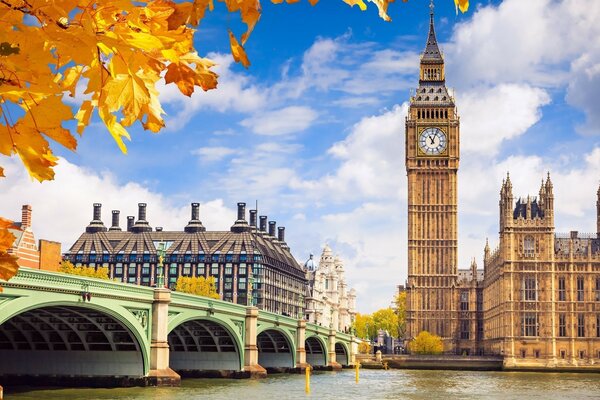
(432, 53)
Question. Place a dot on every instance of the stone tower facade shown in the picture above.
(598, 214)
(432, 158)
(541, 289)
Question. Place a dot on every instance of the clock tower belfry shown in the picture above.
(432, 156)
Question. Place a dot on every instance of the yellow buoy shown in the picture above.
(307, 380)
(356, 367)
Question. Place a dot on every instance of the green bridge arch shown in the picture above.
(149, 316)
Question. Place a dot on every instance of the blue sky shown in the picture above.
(314, 130)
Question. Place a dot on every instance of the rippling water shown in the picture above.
(374, 384)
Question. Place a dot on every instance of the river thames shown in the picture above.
(374, 384)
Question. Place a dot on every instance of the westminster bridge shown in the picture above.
(58, 328)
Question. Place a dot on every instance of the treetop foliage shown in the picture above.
(67, 267)
(198, 285)
(426, 343)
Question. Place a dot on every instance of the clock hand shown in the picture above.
(432, 139)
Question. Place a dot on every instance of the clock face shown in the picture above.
(432, 141)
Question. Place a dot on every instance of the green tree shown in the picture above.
(387, 320)
(67, 267)
(426, 343)
(197, 285)
(364, 326)
(400, 309)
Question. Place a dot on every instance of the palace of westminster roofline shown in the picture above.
(531, 211)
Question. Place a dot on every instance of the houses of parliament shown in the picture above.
(536, 302)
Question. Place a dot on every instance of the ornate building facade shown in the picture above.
(537, 300)
(541, 289)
(328, 301)
(432, 158)
(250, 264)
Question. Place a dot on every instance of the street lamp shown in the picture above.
(301, 308)
(161, 251)
(250, 291)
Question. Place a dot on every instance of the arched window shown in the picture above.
(529, 246)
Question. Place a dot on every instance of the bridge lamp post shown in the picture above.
(161, 251)
(250, 291)
(301, 308)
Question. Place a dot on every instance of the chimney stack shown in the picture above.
(281, 234)
(97, 212)
(263, 223)
(141, 212)
(195, 211)
(241, 225)
(195, 225)
(253, 219)
(115, 221)
(26, 217)
(96, 224)
(130, 222)
(272, 228)
(141, 225)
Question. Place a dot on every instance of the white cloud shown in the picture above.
(371, 156)
(214, 153)
(281, 122)
(236, 92)
(496, 114)
(584, 91)
(62, 208)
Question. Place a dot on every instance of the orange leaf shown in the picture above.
(181, 15)
(198, 10)
(46, 117)
(183, 76)
(238, 52)
(83, 115)
(463, 5)
(8, 262)
(2, 172)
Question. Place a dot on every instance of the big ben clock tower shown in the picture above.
(432, 155)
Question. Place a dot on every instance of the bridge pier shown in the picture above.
(354, 342)
(251, 365)
(301, 363)
(160, 373)
(332, 359)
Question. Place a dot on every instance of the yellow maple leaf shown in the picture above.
(8, 262)
(238, 52)
(127, 91)
(117, 130)
(463, 5)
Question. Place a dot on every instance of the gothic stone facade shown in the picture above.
(432, 158)
(250, 265)
(329, 303)
(537, 302)
(541, 289)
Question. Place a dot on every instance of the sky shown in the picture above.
(314, 131)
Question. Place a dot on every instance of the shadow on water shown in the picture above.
(374, 385)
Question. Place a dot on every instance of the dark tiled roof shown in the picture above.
(432, 53)
(215, 242)
(433, 93)
(521, 209)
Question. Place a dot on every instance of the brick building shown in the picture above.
(251, 264)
